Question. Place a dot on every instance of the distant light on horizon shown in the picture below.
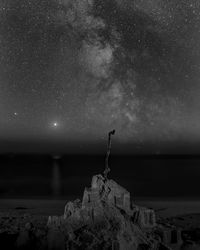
(55, 124)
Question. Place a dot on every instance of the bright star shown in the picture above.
(15, 113)
(55, 124)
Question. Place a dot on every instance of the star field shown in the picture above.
(72, 70)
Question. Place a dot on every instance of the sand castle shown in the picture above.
(107, 212)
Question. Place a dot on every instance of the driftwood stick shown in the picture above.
(107, 169)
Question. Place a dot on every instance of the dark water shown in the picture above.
(150, 176)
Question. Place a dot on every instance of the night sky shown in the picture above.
(71, 70)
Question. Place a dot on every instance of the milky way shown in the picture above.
(72, 70)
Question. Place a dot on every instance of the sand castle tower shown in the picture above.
(106, 190)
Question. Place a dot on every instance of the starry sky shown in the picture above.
(71, 70)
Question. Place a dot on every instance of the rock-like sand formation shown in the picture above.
(106, 218)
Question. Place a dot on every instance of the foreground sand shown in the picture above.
(17, 212)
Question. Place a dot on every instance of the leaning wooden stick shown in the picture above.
(107, 169)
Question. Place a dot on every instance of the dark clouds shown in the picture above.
(95, 65)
